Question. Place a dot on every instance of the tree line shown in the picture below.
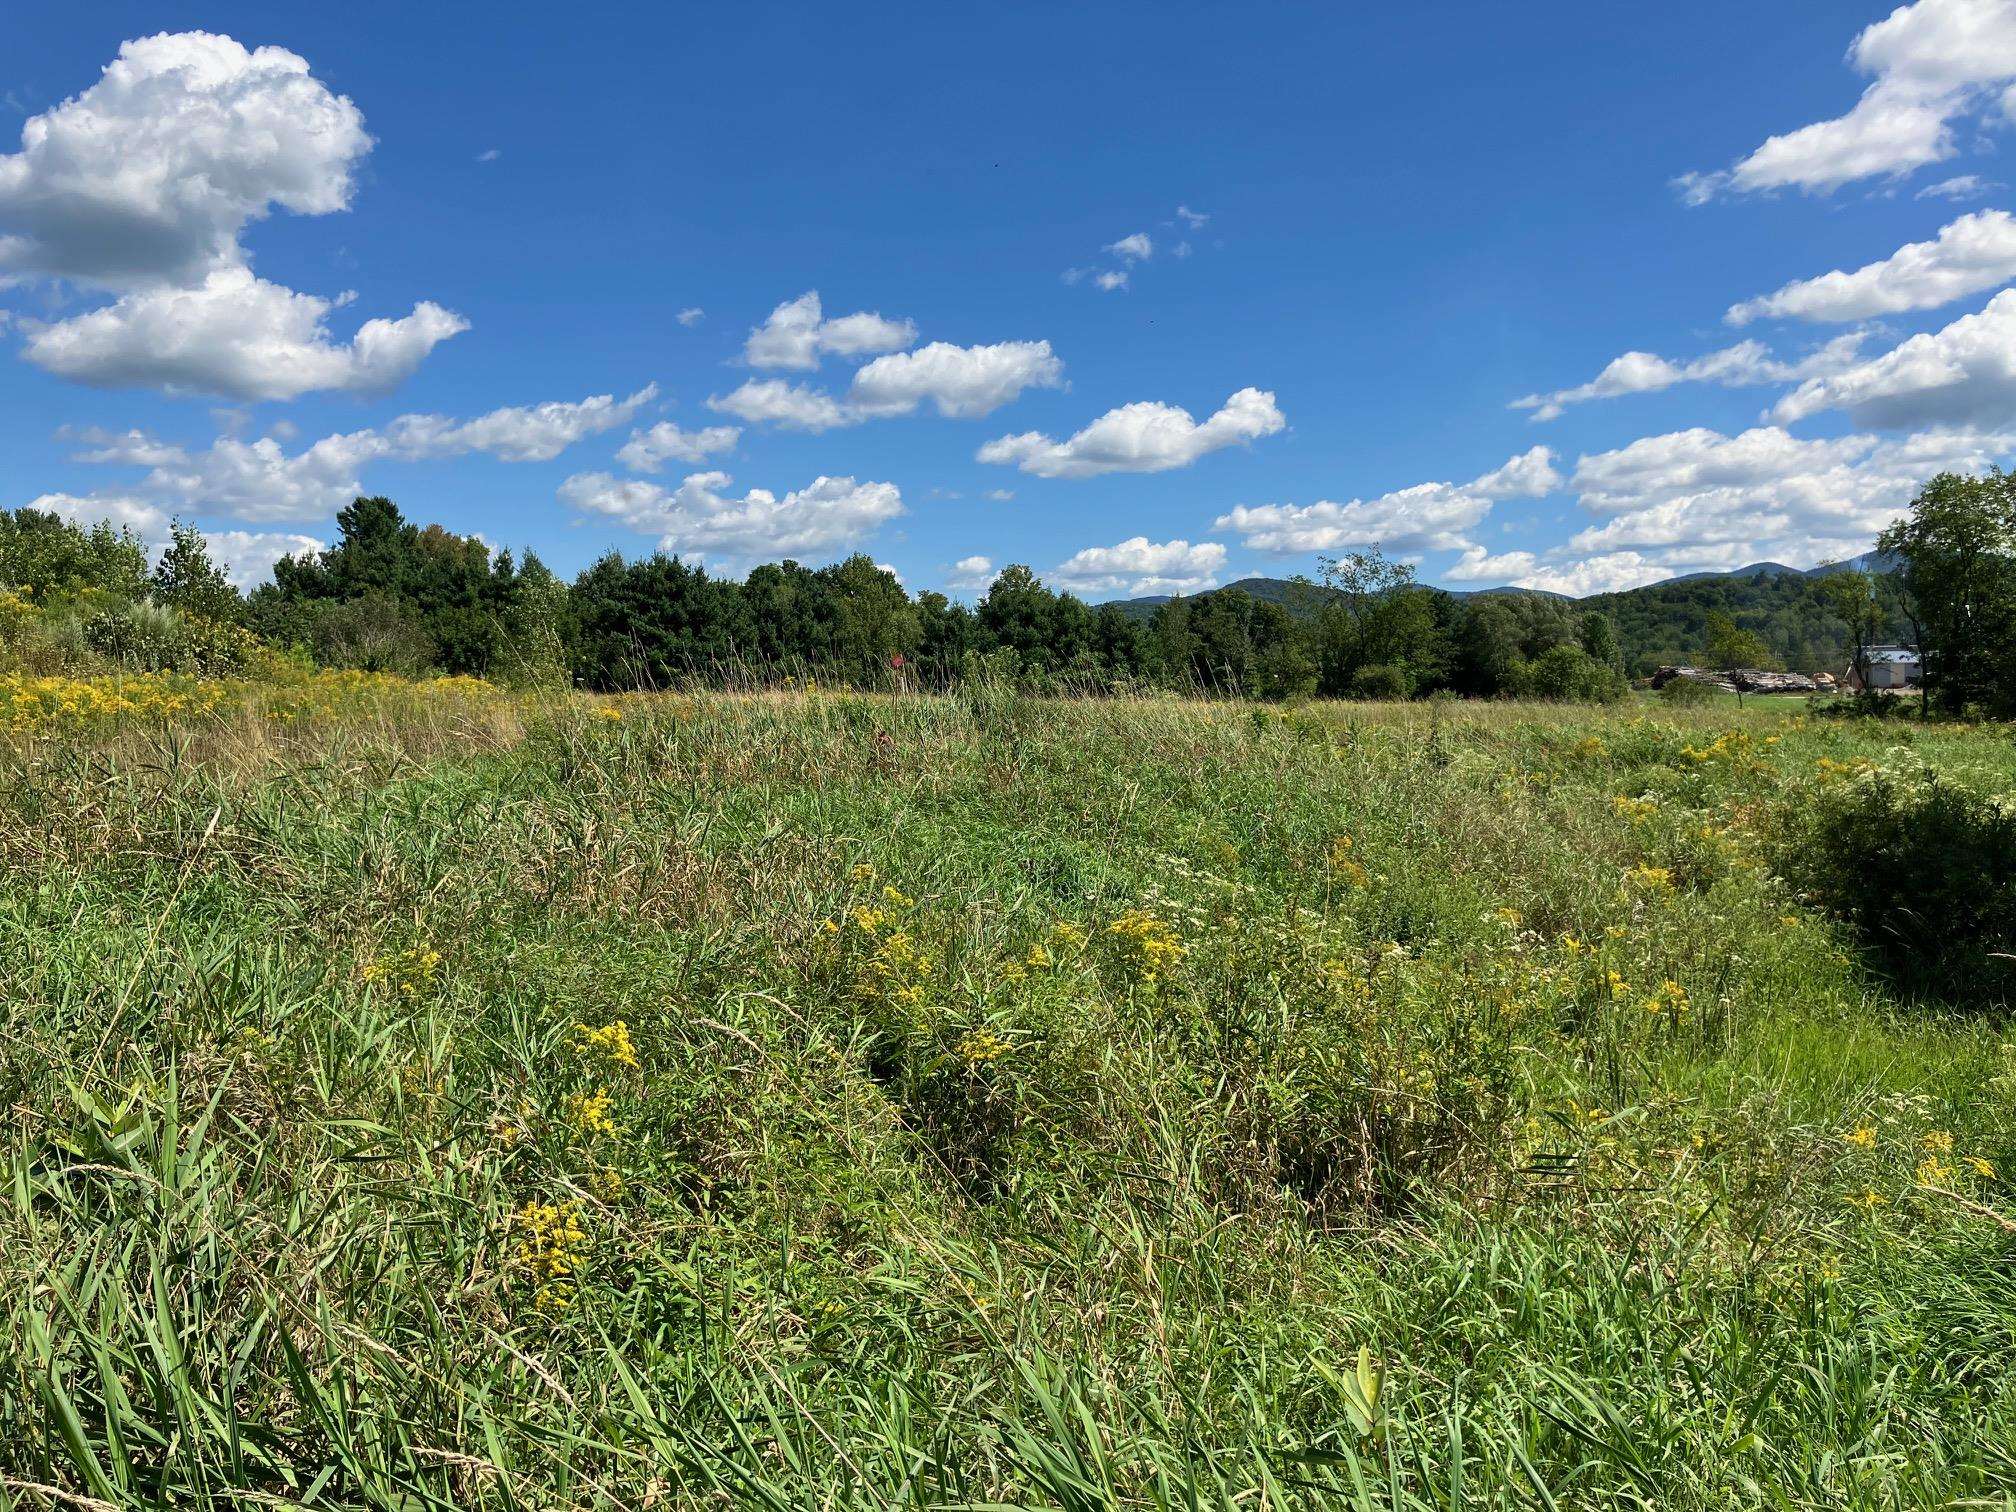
(391, 595)
(399, 597)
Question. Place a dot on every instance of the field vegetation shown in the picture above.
(423, 1095)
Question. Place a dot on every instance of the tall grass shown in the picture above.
(1015, 1103)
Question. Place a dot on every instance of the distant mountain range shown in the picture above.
(1288, 591)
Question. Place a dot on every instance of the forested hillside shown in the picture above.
(1668, 622)
(1657, 625)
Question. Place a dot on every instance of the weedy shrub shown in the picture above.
(145, 637)
(1686, 693)
(1923, 870)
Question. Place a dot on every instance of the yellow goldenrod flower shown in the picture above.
(551, 1246)
(611, 1042)
(589, 1112)
(983, 1046)
(1148, 943)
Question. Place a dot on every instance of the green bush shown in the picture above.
(1687, 693)
(145, 637)
(1923, 871)
(152, 637)
(1570, 674)
(1382, 682)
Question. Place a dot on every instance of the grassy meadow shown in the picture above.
(422, 1097)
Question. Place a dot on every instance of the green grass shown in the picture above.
(1374, 1164)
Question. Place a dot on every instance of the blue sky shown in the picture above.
(1360, 236)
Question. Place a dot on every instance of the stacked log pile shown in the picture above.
(1739, 679)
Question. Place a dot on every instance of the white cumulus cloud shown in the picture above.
(149, 176)
(1700, 501)
(959, 382)
(797, 335)
(1138, 247)
(142, 185)
(1932, 64)
(1140, 566)
(1962, 375)
(970, 572)
(1147, 436)
(1970, 254)
(649, 450)
(1424, 517)
(1745, 364)
(119, 510)
(248, 557)
(261, 481)
(238, 336)
(1530, 475)
(700, 519)
(516, 433)
(791, 405)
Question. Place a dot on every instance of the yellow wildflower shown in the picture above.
(409, 973)
(1151, 946)
(551, 1245)
(1669, 999)
(611, 1042)
(589, 1112)
(983, 1046)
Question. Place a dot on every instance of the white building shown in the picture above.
(1889, 667)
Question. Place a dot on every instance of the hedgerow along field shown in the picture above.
(421, 1097)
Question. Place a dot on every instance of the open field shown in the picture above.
(421, 1097)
